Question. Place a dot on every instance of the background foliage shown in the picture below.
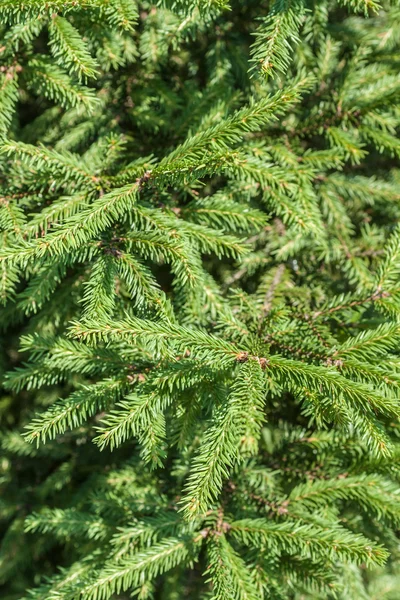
(200, 264)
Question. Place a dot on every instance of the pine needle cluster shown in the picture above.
(200, 300)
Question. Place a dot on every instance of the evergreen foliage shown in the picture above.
(200, 300)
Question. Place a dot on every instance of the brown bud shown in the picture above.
(242, 357)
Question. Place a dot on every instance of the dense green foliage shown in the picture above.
(200, 288)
